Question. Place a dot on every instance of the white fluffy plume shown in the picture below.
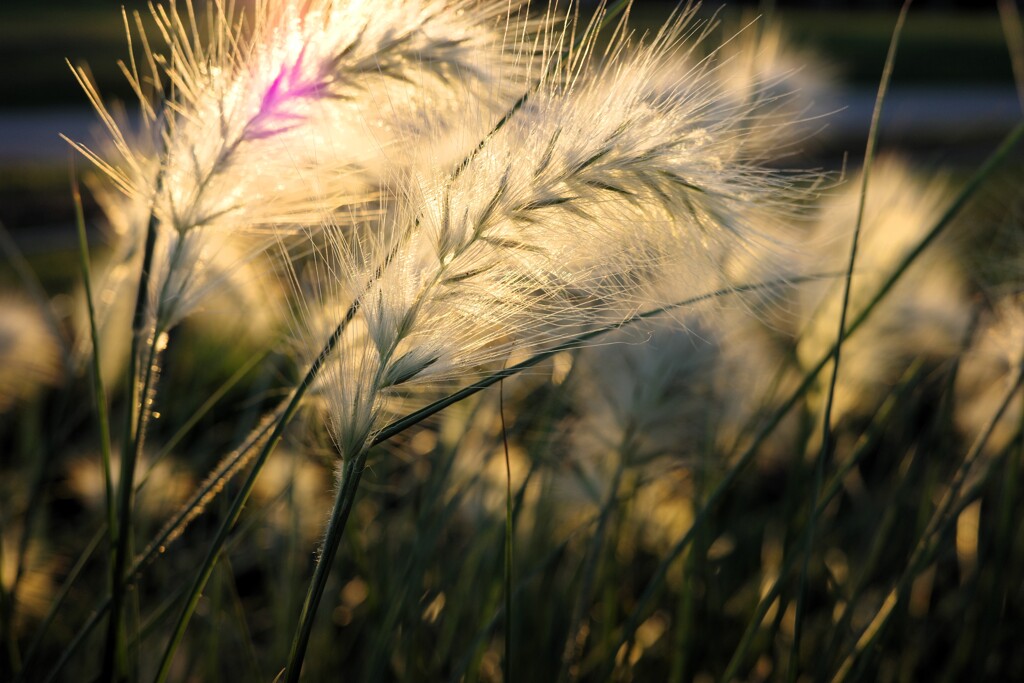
(277, 115)
(602, 196)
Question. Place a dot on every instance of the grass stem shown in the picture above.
(826, 440)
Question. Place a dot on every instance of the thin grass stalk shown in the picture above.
(207, 406)
(475, 649)
(228, 577)
(826, 440)
(414, 572)
(343, 503)
(428, 531)
(459, 672)
(114, 646)
(865, 444)
(352, 472)
(1013, 33)
(99, 390)
(215, 482)
(6, 616)
(682, 659)
(91, 623)
(944, 516)
(158, 545)
(1005, 527)
(880, 542)
(518, 500)
(987, 168)
(150, 624)
(243, 495)
(509, 530)
(878, 546)
(716, 494)
(69, 651)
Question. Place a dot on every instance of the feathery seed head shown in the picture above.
(594, 200)
(291, 111)
(927, 312)
(991, 362)
(30, 354)
(784, 88)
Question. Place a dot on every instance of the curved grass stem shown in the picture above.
(242, 496)
(114, 663)
(351, 473)
(826, 440)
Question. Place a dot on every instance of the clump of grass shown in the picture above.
(455, 195)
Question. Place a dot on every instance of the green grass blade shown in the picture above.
(99, 390)
(994, 160)
(865, 444)
(58, 601)
(114, 662)
(944, 517)
(208, 405)
(235, 510)
(826, 441)
(573, 646)
(352, 472)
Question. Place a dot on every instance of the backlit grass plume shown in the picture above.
(286, 111)
(788, 88)
(991, 364)
(927, 313)
(274, 118)
(30, 353)
(604, 195)
(600, 197)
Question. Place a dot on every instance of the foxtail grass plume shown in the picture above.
(30, 354)
(994, 358)
(643, 396)
(602, 196)
(787, 88)
(926, 313)
(275, 115)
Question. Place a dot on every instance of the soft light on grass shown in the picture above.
(498, 215)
